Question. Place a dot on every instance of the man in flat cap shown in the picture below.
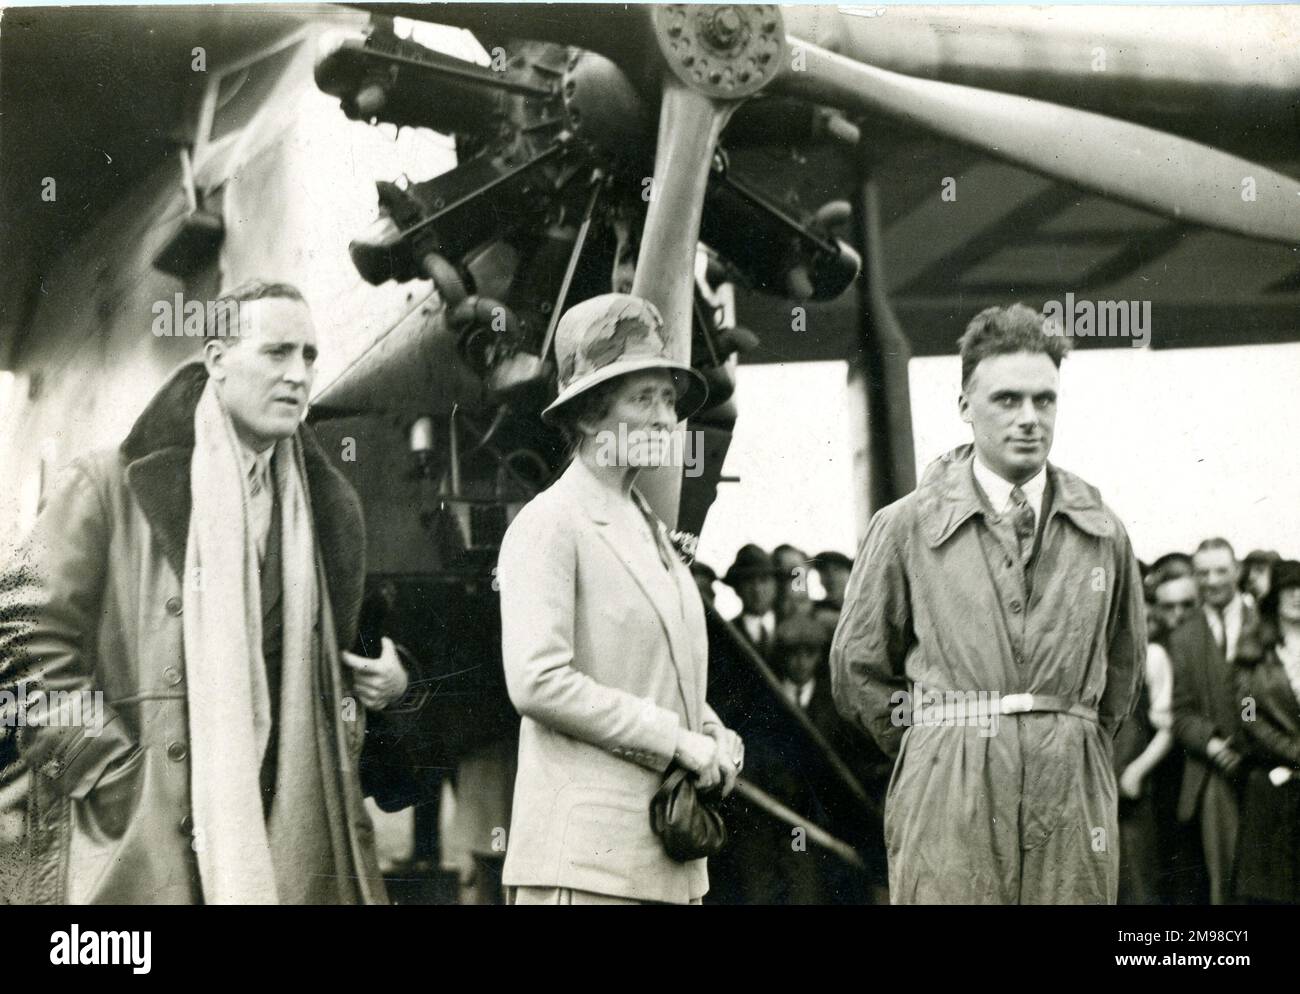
(833, 569)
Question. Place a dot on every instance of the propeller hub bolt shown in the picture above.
(725, 26)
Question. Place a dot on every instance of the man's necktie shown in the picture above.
(261, 504)
(1221, 632)
(1024, 520)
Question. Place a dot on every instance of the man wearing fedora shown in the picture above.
(753, 577)
(992, 638)
(603, 635)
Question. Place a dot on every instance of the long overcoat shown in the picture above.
(1021, 810)
(93, 601)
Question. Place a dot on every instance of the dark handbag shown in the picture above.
(686, 819)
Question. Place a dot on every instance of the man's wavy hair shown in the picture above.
(1005, 331)
(223, 316)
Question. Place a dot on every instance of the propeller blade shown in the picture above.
(1127, 162)
(690, 124)
(1119, 59)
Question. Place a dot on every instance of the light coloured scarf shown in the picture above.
(297, 854)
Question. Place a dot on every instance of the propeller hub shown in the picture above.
(725, 51)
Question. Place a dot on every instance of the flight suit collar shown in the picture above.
(949, 495)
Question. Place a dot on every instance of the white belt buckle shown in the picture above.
(1017, 703)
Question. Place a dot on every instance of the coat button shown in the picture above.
(1015, 607)
(173, 606)
(172, 675)
(1009, 562)
(186, 825)
(177, 752)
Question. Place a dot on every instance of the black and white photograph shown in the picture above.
(651, 454)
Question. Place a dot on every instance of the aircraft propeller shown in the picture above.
(700, 62)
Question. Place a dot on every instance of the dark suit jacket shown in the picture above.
(1205, 703)
(1268, 865)
(821, 710)
(1273, 737)
(738, 622)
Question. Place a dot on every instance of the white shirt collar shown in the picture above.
(998, 490)
(1231, 611)
(1227, 628)
(260, 459)
(759, 625)
(800, 694)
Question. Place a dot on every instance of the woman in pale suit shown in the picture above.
(603, 633)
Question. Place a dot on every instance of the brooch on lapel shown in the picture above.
(685, 543)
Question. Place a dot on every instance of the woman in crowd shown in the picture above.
(603, 632)
(1257, 574)
(1268, 853)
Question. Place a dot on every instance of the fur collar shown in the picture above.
(158, 451)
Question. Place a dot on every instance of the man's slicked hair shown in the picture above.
(1170, 566)
(223, 313)
(1210, 544)
(1005, 331)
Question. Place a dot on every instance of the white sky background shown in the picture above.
(1183, 444)
(793, 455)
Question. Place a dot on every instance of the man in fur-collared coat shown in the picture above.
(175, 626)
